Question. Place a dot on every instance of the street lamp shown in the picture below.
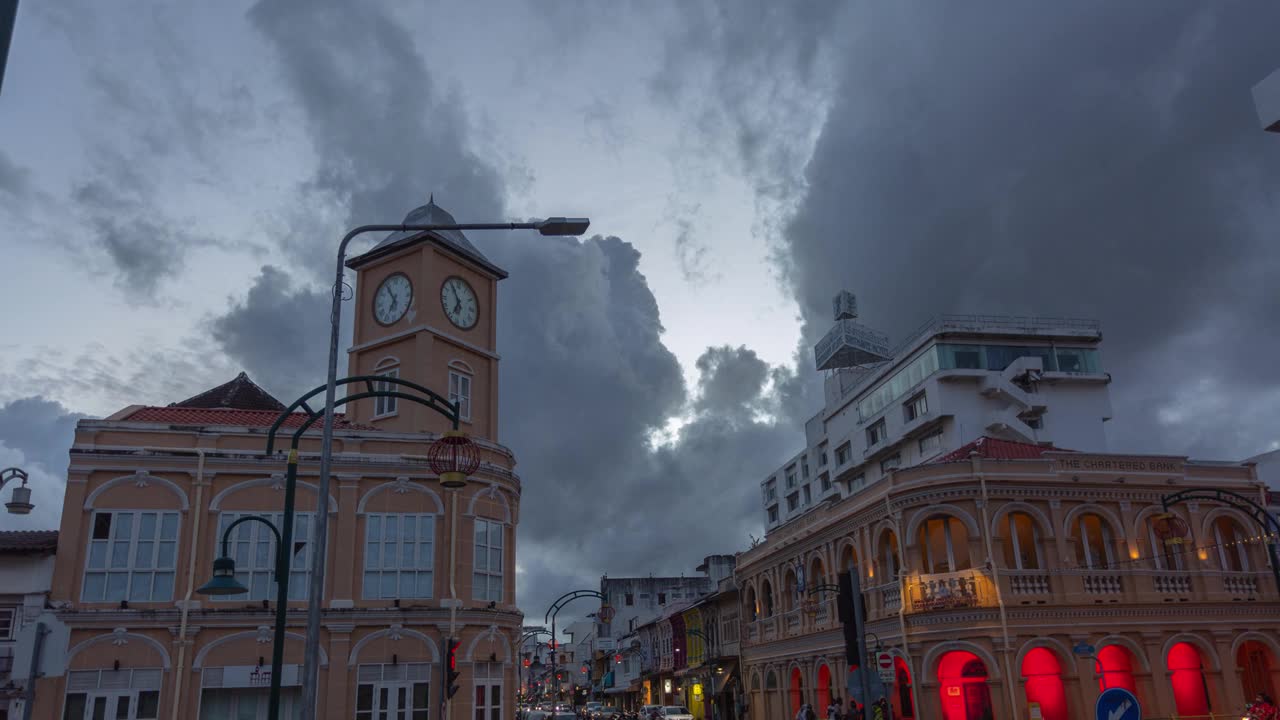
(549, 226)
(459, 461)
(224, 582)
(21, 502)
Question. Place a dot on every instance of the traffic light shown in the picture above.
(451, 673)
(851, 608)
(617, 659)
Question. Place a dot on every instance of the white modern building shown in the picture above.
(1035, 380)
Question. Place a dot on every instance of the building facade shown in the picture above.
(410, 563)
(1014, 581)
(26, 576)
(1027, 379)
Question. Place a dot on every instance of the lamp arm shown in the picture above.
(226, 537)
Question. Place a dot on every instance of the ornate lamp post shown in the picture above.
(20, 504)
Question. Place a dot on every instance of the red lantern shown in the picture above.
(453, 457)
(1170, 528)
(606, 613)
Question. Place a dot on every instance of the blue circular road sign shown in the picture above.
(1118, 704)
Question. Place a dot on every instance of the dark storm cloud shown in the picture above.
(144, 247)
(279, 333)
(15, 180)
(385, 131)
(35, 434)
(41, 429)
(1089, 159)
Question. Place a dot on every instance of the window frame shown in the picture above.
(916, 406)
(131, 567)
(1014, 541)
(893, 462)
(385, 407)
(773, 514)
(484, 675)
(877, 432)
(846, 449)
(934, 448)
(9, 630)
(1242, 551)
(488, 573)
(399, 541)
(456, 395)
(1106, 536)
(952, 564)
(248, 567)
(390, 686)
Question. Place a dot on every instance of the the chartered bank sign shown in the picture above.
(1086, 463)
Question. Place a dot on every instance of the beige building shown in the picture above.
(150, 489)
(1014, 581)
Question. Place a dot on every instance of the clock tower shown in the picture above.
(426, 312)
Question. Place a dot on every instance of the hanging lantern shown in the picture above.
(810, 607)
(606, 613)
(1170, 528)
(454, 458)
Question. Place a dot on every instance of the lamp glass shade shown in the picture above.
(20, 504)
(564, 226)
(224, 579)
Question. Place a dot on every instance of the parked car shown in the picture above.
(676, 712)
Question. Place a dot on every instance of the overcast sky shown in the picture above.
(174, 179)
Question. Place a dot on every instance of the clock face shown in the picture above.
(392, 299)
(459, 302)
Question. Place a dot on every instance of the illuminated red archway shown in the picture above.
(1255, 662)
(962, 681)
(1042, 674)
(1115, 669)
(903, 705)
(1186, 671)
(824, 690)
(797, 691)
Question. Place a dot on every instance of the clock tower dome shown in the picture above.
(426, 307)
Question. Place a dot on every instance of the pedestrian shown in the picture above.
(855, 710)
(809, 714)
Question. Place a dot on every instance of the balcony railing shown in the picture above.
(948, 591)
(1023, 584)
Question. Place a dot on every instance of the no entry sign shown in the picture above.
(884, 662)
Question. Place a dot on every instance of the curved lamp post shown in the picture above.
(549, 226)
(1268, 522)
(456, 461)
(20, 504)
(559, 604)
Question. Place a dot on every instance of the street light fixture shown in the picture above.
(20, 504)
(311, 656)
(224, 582)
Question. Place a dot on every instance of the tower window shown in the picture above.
(460, 392)
(388, 367)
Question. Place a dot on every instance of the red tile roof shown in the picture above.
(173, 415)
(28, 541)
(990, 448)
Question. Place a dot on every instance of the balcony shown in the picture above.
(1027, 586)
(950, 591)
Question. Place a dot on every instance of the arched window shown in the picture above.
(1042, 675)
(753, 605)
(790, 590)
(1186, 675)
(888, 556)
(460, 375)
(817, 574)
(944, 545)
(1095, 545)
(766, 590)
(386, 367)
(849, 560)
(1166, 552)
(962, 684)
(771, 681)
(1114, 666)
(1233, 552)
(1021, 542)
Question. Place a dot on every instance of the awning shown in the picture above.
(620, 690)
